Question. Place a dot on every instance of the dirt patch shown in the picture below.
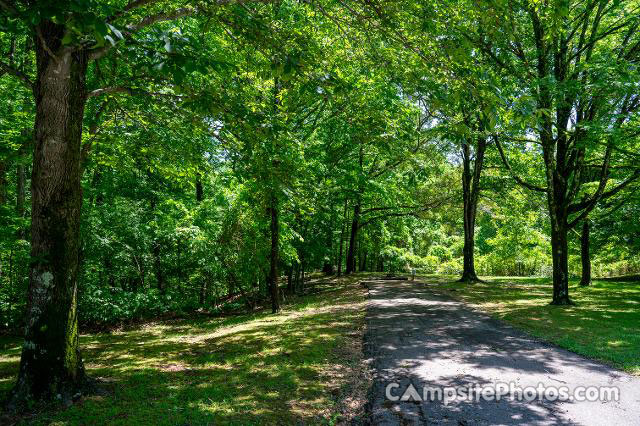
(350, 376)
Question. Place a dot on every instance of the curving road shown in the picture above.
(417, 336)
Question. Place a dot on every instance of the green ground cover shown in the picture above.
(303, 365)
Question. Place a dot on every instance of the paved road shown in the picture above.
(417, 336)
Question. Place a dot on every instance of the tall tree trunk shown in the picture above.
(560, 258)
(20, 190)
(290, 282)
(558, 215)
(203, 283)
(363, 263)
(297, 277)
(50, 363)
(584, 254)
(470, 195)
(156, 250)
(327, 266)
(157, 266)
(468, 271)
(344, 224)
(355, 223)
(273, 257)
(351, 261)
(303, 260)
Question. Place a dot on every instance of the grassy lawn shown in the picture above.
(303, 365)
(604, 324)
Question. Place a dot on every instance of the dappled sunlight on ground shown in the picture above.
(254, 368)
(604, 324)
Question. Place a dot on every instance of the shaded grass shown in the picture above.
(604, 324)
(250, 369)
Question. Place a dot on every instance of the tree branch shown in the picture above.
(433, 205)
(17, 73)
(589, 205)
(377, 209)
(129, 91)
(145, 22)
(512, 173)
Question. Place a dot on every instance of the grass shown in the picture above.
(604, 324)
(300, 366)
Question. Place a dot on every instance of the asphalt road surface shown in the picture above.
(416, 336)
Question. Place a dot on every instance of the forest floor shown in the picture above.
(417, 334)
(303, 365)
(604, 323)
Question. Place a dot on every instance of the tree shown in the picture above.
(572, 63)
(585, 256)
(68, 41)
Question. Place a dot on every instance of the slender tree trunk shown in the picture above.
(273, 270)
(20, 190)
(157, 266)
(344, 225)
(203, 292)
(297, 277)
(468, 271)
(327, 267)
(27, 144)
(355, 223)
(290, 282)
(11, 289)
(584, 254)
(470, 195)
(203, 283)
(363, 264)
(351, 261)
(156, 251)
(50, 364)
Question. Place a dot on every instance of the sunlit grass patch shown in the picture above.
(250, 369)
(604, 324)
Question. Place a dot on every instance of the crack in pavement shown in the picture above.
(420, 337)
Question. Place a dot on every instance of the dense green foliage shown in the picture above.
(210, 121)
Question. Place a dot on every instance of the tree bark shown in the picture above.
(470, 195)
(273, 270)
(363, 263)
(20, 189)
(355, 224)
(560, 258)
(290, 282)
(203, 283)
(585, 255)
(344, 224)
(50, 364)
